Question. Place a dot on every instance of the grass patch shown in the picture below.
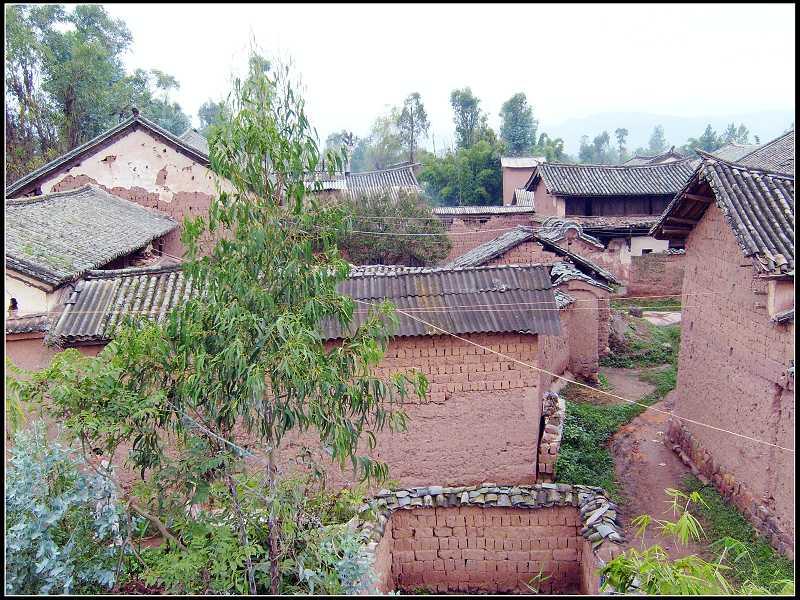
(764, 566)
(648, 303)
(659, 346)
(665, 381)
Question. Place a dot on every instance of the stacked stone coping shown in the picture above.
(597, 511)
(553, 410)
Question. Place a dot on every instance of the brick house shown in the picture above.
(583, 288)
(617, 205)
(516, 172)
(483, 415)
(52, 240)
(736, 365)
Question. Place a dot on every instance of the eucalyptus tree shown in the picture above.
(518, 127)
(242, 362)
(412, 123)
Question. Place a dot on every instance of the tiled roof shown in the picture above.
(668, 156)
(563, 299)
(196, 140)
(450, 299)
(76, 153)
(497, 247)
(392, 179)
(561, 272)
(521, 162)
(786, 316)
(522, 197)
(33, 323)
(100, 302)
(777, 155)
(733, 152)
(629, 225)
(605, 180)
(57, 237)
(555, 229)
(481, 210)
(758, 205)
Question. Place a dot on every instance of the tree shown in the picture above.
(707, 142)
(657, 143)
(383, 146)
(241, 363)
(404, 214)
(598, 152)
(469, 119)
(552, 150)
(466, 177)
(210, 113)
(518, 127)
(735, 135)
(412, 123)
(621, 134)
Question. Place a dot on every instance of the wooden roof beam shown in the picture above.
(698, 198)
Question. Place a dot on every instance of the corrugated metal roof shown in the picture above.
(777, 155)
(33, 323)
(521, 162)
(389, 180)
(481, 210)
(195, 139)
(75, 153)
(758, 205)
(57, 237)
(522, 197)
(443, 297)
(604, 180)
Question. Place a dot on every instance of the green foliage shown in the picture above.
(762, 564)
(621, 134)
(403, 213)
(658, 142)
(551, 149)
(470, 120)
(652, 572)
(673, 304)
(319, 554)
(467, 177)
(63, 525)
(382, 148)
(65, 82)
(736, 135)
(599, 151)
(518, 127)
(660, 347)
(707, 142)
(412, 123)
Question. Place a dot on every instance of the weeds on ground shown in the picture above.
(660, 348)
(758, 561)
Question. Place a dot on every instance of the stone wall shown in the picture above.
(491, 538)
(554, 410)
(733, 373)
(656, 275)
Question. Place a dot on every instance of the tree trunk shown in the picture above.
(251, 580)
(273, 526)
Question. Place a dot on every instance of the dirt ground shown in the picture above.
(645, 466)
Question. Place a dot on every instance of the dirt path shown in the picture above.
(645, 467)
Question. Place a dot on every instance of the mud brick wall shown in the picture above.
(656, 274)
(553, 410)
(480, 420)
(467, 233)
(490, 538)
(733, 373)
(472, 549)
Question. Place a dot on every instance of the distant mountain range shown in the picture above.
(766, 125)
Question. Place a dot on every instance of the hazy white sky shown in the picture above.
(570, 60)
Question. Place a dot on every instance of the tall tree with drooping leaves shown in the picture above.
(599, 151)
(382, 147)
(621, 134)
(412, 123)
(517, 125)
(657, 144)
(242, 362)
(469, 119)
(210, 113)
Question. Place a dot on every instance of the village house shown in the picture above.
(393, 179)
(53, 240)
(516, 172)
(618, 205)
(736, 365)
(655, 159)
(482, 418)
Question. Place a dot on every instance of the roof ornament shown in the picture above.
(135, 111)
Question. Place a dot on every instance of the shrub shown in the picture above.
(382, 214)
(63, 525)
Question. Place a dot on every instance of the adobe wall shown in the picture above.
(468, 233)
(733, 374)
(514, 178)
(547, 205)
(27, 351)
(480, 420)
(145, 170)
(491, 538)
(590, 312)
(656, 275)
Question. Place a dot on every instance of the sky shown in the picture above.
(571, 61)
